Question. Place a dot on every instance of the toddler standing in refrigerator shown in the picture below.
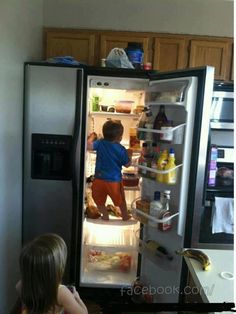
(111, 156)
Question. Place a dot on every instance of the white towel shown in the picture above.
(223, 215)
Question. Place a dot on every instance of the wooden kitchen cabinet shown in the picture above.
(212, 52)
(108, 41)
(170, 53)
(78, 44)
(167, 52)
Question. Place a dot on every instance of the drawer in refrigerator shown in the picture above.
(110, 259)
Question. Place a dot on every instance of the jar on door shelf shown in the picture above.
(144, 206)
(130, 177)
(134, 142)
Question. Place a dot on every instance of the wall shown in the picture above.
(20, 32)
(202, 17)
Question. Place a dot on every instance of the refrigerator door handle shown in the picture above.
(77, 175)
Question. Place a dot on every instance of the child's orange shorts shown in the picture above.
(101, 189)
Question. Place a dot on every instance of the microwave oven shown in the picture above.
(222, 107)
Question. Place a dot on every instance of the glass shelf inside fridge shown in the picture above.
(171, 135)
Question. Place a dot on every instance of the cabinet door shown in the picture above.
(110, 41)
(214, 53)
(78, 44)
(170, 54)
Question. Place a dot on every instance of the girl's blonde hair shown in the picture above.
(42, 265)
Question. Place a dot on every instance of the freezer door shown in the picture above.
(50, 106)
(187, 98)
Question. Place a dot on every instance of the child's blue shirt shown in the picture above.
(110, 159)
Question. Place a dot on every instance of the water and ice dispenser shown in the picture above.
(51, 157)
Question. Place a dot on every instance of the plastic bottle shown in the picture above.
(165, 199)
(161, 163)
(171, 176)
(143, 160)
(155, 156)
(156, 205)
(149, 125)
(159, 121)
(95, 103)
(134, 52)
(141, 123)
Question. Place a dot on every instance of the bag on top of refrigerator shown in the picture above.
(117, 58)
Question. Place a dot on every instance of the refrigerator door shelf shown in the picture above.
(163, 261)
(136, 213)
(167, 103)
(160, 171)
(168, 92)
(176, 133)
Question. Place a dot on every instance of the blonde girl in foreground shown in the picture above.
(42, 265)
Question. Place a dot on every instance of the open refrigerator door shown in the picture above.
(110, 249)
(162, 234)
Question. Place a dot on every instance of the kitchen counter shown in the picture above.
(212, 287)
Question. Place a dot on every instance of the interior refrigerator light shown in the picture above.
(109, 235)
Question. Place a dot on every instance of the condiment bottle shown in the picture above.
(155, 156)
(161, 163)
(160, 120)
(141, 124)
(143, 159)
(171, 176)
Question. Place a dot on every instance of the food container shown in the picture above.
(102, 260)
(103, 107)
(124, 106)
(130, 179)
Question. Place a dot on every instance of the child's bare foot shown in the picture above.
(127, 217)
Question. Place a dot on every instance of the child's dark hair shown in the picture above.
(112, 130)
(42, 265)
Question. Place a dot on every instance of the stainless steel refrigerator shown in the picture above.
(58, 116)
